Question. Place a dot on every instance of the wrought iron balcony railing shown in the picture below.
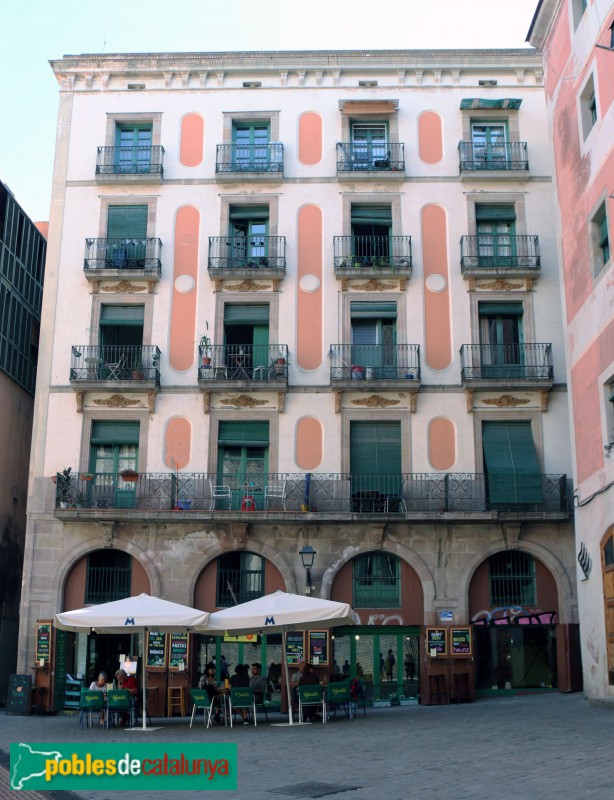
(123, 254)
(141, 160)
(255, 363)
(499, 157)
(365, 157)
(250, 158)
(372, 254)
(322, 494)
(101, 363)
(367, 362)
(506, 362)
(495, 251)
(251, 252)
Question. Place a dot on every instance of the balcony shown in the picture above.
(497, 255)
(123, 259)
(366, 256)
(503, 160)
(247, 257)
(263, 162)
(121, 368)
(361, 160)
(375, 367)
(518, 366)
(301, 497)
(130, 164)
(250, 367)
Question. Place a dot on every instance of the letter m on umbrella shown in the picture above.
(129, 621)
(269, 621)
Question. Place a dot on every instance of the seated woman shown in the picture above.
(125, 681)
(238, 680)
(100, 685)
(208, 683)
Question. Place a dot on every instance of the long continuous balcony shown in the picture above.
(375, 160)
(374, 366)
(319, 495)
(141, 164)
(247, 366)
(500, 254)
(493, 161)
(386, 256)
(250, 159)
(516, 365)
(251, 256)
(126, 258)
(121, 367)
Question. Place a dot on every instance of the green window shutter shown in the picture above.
(511, 462)
(122, 315)
(485, 213)
(107, 432)
(494, 309)
(381, 215)
(375, 448)
(366, 310)
(125, 222)
(246, 314)
(243, 434)
(248, 212)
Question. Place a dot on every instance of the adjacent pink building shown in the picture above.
(576, 39)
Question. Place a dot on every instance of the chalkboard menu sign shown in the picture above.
(43, 643)
(436, 641)
(318, 647)
(178, 651)
(61, 663)
(295, 647)
(460, 642)
(18, 695)
(156, 649)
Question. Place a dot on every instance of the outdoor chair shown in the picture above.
(119, 701)
(383, 162)
(91, 700)
(115, 370)
(220, 492)
(309, 696)
(217, 702)
(275, 491)
(200, 702)
(338, 696)
(395, 503)
(242, 697)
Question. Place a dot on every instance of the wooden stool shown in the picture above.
(461, 687)
(175, 700)
(438, 689)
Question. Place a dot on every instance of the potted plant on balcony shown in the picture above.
(86, 476)
(279, 364)
(62, 483)
(205, 350)
(138, 373)
(129, 475)
(358, 372)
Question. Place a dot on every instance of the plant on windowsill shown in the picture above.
(129, 475)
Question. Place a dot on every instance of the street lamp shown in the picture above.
(307, 554)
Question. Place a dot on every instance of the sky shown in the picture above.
(34, 31)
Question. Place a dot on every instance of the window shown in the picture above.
(496, 229)
(588, 107)
(240, 577)
(601, 239)
(126, 237)
(374, 337)
(376, 581)
(489, 145)
(114, 447)
(251, 149)
(108, 576)
(608, 592)
(513, 476)
(243, 455)
(371, 231)
(501, 339)
(375, 465)
(369, 144)
(133, 148)
(512, 580)
(249, 231)
(246, 340)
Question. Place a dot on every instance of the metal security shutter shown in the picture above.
(511, 462)
(126, 222)
(375, 448)
(364, 214)
(243, 434)
(246, 314)
(122, 315)
(108, 432)
(248, 212)
(366, 310)
(495, 213)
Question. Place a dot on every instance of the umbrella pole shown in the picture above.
(143, 678)
(288, 692)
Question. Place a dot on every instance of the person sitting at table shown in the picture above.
(241, 680)
(309, 678)
(258, 682)
(208, 683)
(125, 681)
(100, 685)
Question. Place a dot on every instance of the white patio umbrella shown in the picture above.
(278, 613)
(134, 615)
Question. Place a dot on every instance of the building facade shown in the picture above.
(577, 41)
(22, 260)
(307, 299)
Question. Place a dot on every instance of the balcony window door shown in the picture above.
(240, 578)
(496, 231)
(369, 144)
(121, 341)
(126, 237)
(371, 231)
(374, 331)
(246, 340)
(512, 470)
(249, 230)
(501, 339)
(243, 458)
(133, 148)
(375, 465)
(251, 146)
(114, 447)
(488, 144)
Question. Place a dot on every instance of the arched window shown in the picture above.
(608, 597)
(240, 577)
(108, 577)
(376, 581)
(512, 579)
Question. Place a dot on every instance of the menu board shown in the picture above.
(436, 641)
(61, 663)
(156, 649)
(178, 651)
(295, 647)
(460, 642)
(18, 695)
(318, 647)
(43, 643)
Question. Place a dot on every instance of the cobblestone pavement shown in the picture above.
(537, 747)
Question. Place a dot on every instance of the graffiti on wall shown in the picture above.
(514, 615)
(380, 619)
